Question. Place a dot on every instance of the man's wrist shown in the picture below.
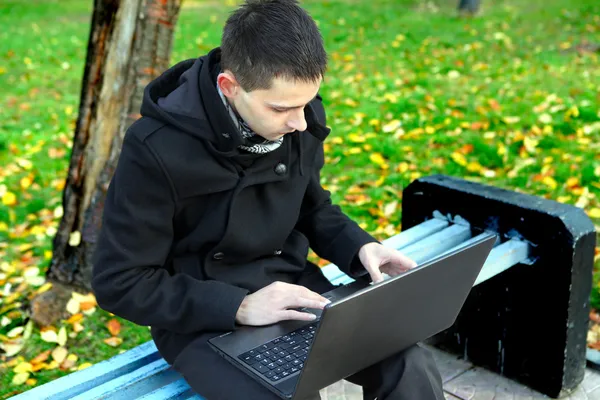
(240, 316)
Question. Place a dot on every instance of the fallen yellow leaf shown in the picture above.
(391, 126)
(52, 365)
(84, 366)
(31, 381)
(40, 366)
(73, 306)
(77, 327)
(113, 341)
(59, 354)
(62, 336)
(49, 336)
(20, 378)
(550, 182)
(23, 367)
(377, 158)
(26, 182)
(594, 213)
(9, 199)
(459, 159)
(75, 318)
(572, 182)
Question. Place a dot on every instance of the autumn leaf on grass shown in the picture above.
(59, 354)
(113, 341)
(69, 362)
(40, 358)
(459, 159)
(378, 159)
(594, 213)
(114, 327)
(20, 378)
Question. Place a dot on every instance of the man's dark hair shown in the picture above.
(265, 39)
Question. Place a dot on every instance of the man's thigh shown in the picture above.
(214, 377)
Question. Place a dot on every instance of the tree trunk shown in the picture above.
(129, 45)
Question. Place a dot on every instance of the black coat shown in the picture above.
(191, 224)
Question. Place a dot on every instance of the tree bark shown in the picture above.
(129, 44)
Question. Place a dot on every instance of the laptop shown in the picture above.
(364, 324)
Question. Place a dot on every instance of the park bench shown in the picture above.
(440, 214)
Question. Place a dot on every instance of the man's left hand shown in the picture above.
(378, 259)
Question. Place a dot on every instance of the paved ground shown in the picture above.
(463, 381)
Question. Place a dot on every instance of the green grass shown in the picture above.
(470, 97)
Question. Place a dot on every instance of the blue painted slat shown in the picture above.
(503, 257)
(177, 390)
(134, 384)
(416, 233)
(78, 382)
(436, 244)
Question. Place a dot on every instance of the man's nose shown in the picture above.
(298, 122)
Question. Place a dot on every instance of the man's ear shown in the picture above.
(228, 84)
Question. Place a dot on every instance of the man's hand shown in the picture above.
(378, 259)
(272, 304)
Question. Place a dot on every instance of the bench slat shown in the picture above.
(437, 243)
(502, 258)
(134, 384)
(78, 382)
(177, 390)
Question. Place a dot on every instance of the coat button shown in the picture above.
(277, 252)
(218, 256)
(280, 169)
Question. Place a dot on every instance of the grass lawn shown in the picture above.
(509, 98)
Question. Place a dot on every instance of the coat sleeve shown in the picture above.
(129, 278)
(331, 233)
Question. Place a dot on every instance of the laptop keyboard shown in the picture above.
(283, 356)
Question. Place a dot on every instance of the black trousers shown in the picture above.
(409, 375)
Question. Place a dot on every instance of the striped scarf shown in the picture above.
(253, 143)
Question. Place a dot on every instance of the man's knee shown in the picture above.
(416, 356)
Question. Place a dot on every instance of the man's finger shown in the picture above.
(311, 303)
(376, 275)
(402, 261)
(307, 293)
(296, 315)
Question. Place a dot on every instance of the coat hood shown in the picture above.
(186, 97)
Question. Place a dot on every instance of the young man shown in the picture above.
(217, 198)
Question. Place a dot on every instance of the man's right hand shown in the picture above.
(272, 304)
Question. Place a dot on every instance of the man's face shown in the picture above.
(274, 112)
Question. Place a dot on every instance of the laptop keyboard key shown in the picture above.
(270, 374)
(284, 374)
(261, 368)
(301, 353)
(275, 378)
(280, 362)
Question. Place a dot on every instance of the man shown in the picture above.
(217, 198)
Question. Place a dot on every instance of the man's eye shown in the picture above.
(277, 110)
